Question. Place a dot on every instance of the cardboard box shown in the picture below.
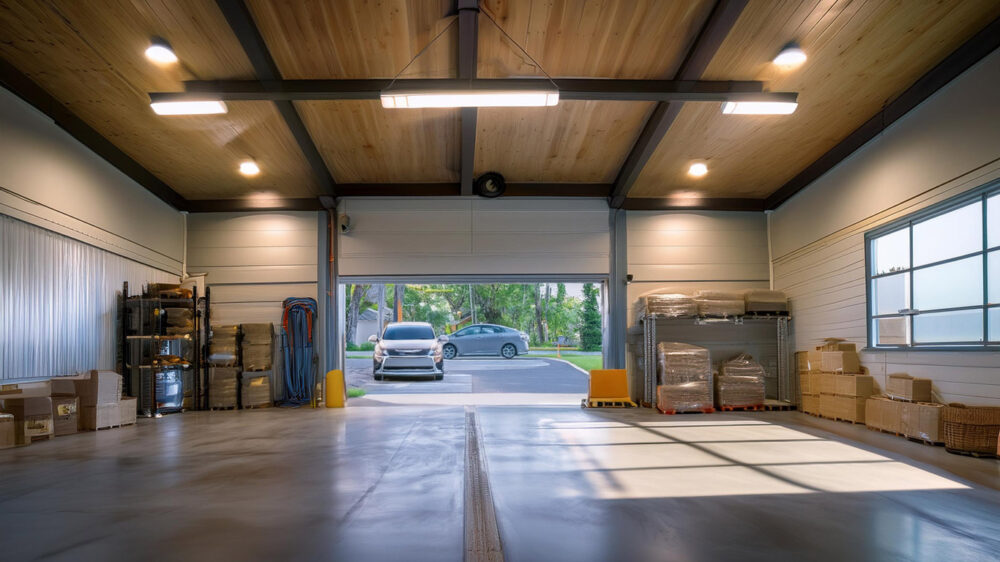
(922, 420)
(100, 417)
(884, 414)
(809, 361)
(836, 344)
(223, 387)
(854, 385)
(65, 415)
(905, 387)
(826, 382)
(7, 439)
(846, 408)
(256, 357)
(127, 409)
(98, 388)
(256, 389)
(32, 418)
(841, 362)
(810, 403)
(65, 386)
(32, 389)
(257, 334)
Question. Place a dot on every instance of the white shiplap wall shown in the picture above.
(51, 180)
(691, 250)
(947, 145)
(254, 261)
(431, 236)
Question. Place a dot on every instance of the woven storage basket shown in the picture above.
(971, 429)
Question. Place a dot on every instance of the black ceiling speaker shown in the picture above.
(490, 184)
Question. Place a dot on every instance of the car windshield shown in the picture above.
(408, 333)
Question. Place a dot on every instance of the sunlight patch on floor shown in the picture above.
(479, 399)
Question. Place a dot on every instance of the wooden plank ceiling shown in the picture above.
(862, 53)
(91, 59)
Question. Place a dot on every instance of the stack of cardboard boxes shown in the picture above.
(833, 383)
(62, 406)
(223, 370)
(257, 360)
(907, 410)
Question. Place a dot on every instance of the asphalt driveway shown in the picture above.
(489, 375)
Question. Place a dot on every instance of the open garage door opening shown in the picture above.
(471, 343)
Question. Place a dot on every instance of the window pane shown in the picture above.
(892, 293)
(892, 331)
(958, 283)
(994, 273)
(995, 324)
(952, 234)
(891, 252)
(993, 221)
(946, 327)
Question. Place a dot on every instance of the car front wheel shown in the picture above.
(508, 351)
(449, 351)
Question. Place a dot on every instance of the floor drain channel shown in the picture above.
(482, 536)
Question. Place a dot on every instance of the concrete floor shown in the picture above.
(371, 483)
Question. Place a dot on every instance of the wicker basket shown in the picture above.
(972, 429)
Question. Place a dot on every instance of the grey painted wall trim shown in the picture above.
(614, 356)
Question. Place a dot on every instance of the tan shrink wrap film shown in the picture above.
(684, 378)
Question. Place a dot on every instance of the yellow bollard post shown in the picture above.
(336, 394)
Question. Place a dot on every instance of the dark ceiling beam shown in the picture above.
(717, 27)
(971, 52)
(468, 49)
(692, 204)
(255, 204)
(573, 89)
(514, 189)
(25, 88)
(241, 22)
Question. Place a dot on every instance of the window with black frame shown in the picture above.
(934, 277)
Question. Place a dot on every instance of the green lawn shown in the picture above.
(585, 362)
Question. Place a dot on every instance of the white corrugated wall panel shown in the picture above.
(431, 236)
(58, 301)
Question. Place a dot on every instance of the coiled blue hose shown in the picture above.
(297, 348)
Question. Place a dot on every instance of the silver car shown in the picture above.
(408, 348)
(486, 339)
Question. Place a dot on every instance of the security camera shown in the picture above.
(628, 278)
(345, 223)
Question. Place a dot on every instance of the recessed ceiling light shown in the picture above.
(249, 168)
(791, 55)
(697, 170)
(159, 51)
(202, 107)
(759, 107)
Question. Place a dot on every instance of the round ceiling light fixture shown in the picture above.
(490, 184)
(159, 51)
(697, 170)
(249, 168)
(790, 56)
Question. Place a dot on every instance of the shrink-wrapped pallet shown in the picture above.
(668, 305)
(684, 378)
(720, 304)
(762, 300)
(740, 383)
(257, 334)
(223, 386)
(255, 389)
(222, 348)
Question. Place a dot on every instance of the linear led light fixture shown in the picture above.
(189, 107)
(528, 96)
(775, 104)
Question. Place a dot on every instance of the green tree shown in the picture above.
(590, 325)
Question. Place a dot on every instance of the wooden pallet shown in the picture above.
(607, 403)
(885, 431)
(257, 407)
(213, 408)
(675, 412)
(41, 438)
(776, 406)
(845, 420)
(754, 408)
(927, 442)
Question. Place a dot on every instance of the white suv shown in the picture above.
(408, 348)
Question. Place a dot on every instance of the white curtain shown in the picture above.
(58, 301)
